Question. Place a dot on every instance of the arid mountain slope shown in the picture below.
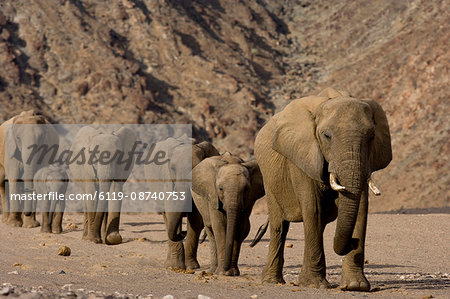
(226, 66)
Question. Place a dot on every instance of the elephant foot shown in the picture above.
(212, 269)
(30, 222)
(46, 229)
(354, 282)
(175, 264)
(14, 222)
(113, 238)
(57, 229)
(94, 239)
(5, 218)
(272, 277)
(233, 272)
(192, 264)
(313, 280)
(175, 256)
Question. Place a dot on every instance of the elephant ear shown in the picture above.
(201, 151)
(204, 180)
(381, 151)
(294, 136)
(128, 138)
(256, 180)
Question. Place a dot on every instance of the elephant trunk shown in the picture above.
(30, 169)
(352, 176)
(232, 219)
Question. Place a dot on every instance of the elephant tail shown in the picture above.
(261, 231)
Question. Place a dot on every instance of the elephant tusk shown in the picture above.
(372, 187)
(334, 184)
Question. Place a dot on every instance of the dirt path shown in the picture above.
(408, 256)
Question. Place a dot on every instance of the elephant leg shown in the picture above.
(240, 237)
(46, 217)
(104, 226)
(5, 208)
(58, 217)
(46, 226)
(213, 249)
(15, 186)
(85, 225)
(112, 236)
(273, 271)
(57, 222)
(15, 214)
(353, 278)
(175, 252)
(313, 271)
(194, 229)
(219, 225)
(30, 221)
(92, 220)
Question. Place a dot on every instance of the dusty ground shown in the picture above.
(407, 255)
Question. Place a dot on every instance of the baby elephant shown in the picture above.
(224, 189)
(51, 179)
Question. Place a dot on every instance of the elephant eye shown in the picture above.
(327, 135)
(221, 188)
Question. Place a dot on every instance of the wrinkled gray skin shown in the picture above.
(297, 150)
(15, 142)
(224, 189)
(51, 179)
(102, 218)
(179, 255)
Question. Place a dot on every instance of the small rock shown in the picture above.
(42, 244)
(289, 245)
(5, 291)
(61, 272)
(64, 251)
(254, 296)
(13, 272)
(67, 287)
(200, 296)
(17, 264)
(168, 297)
(427, 297)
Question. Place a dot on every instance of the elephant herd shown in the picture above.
(314, 161)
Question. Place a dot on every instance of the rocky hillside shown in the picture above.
(226, 66)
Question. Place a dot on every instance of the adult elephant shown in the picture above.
(101, 217)
(224, 189)
(175, 173)
(316, 157)
(19, 136)
(53, 179)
